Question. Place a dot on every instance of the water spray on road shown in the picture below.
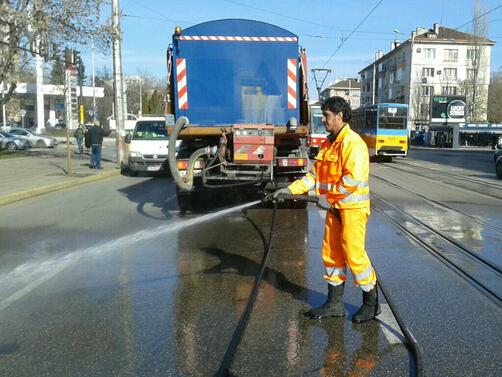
(32, 274)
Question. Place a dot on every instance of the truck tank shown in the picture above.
(238, 93)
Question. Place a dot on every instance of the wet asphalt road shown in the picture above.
(108, 280)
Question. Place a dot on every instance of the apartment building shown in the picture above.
(350, 89)
(437, 61)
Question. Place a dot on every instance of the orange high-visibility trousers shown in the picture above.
(343, 246)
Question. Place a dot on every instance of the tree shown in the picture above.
(58, 73)
(40, 26)
(475, 86)
(495, 99)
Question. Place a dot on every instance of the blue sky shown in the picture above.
(148, 25)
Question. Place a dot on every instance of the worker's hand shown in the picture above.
(323, 203)
(284, 191)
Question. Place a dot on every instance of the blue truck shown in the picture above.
(238, 92)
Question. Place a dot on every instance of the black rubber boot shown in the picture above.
(370, 308)
(333, 307)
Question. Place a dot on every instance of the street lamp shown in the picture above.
(374, 80)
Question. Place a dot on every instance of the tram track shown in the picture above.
(436, 203)
(482, 274)
(466, 183)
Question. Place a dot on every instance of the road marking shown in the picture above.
(390, 327)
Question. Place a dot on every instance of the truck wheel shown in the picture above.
(185, 201)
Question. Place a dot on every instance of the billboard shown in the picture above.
(448, 109)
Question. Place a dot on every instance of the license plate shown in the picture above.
(153, 168)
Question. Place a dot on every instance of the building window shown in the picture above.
(392, 76)
(450, 73)
(430, 53)
(390, 93)
(426, 91)
(470, 73)
(472, 54)
(450, 55)
(427, 72)
(363, 76)
(449, 90)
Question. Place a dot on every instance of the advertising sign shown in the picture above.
(448, 109)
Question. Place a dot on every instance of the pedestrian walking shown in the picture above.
(95, 136)
(340, 178)
(79, 137)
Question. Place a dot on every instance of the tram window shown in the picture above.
(317, 125)
(393, 118)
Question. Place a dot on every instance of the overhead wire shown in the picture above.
(478, 17)
(352, 32)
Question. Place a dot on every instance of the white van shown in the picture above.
(148, 146)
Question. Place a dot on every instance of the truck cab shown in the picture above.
(148, 145)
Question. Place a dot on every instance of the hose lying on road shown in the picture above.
(223, 371)
(241, 326)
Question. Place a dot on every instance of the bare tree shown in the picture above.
(42, 26)
(495, 98)
(475, 86)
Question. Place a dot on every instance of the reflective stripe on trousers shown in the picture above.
(343, 245)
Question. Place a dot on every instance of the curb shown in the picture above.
(18, 196)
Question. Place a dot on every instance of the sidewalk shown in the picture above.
(25, 177)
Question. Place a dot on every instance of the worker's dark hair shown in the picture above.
(337, 105)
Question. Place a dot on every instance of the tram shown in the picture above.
(383, 127)
(317, 131)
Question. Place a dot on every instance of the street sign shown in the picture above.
(448, 109)
(22, 112)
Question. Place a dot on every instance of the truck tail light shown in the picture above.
(381, 140)
(183, 164)
(292, 162)
(402, 141)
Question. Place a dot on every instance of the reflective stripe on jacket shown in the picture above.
(340, 172)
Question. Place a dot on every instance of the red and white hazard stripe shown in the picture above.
(181, 73)
(235, 39)
(291, 83)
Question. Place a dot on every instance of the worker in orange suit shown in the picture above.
(340, 179)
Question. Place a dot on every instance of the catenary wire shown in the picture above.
(352, 32)
(478, 17)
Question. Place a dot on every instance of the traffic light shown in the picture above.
(68, 57)
(73, 100)
(76, 57)
(81, 70)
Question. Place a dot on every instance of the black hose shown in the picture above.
(241, 326)
(411, 344)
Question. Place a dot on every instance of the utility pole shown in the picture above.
(39, 64)
(118, 84)
(4, 116)
(81, 84)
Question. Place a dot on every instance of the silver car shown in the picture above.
(11, 142)
(33, 138)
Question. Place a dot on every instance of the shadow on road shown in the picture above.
(158, 192)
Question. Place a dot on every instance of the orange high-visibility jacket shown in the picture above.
(340, 172)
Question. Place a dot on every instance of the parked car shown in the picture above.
(35, 140)
(497, 158)
(11, 142)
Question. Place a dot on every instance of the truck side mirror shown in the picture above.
(128, 138)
